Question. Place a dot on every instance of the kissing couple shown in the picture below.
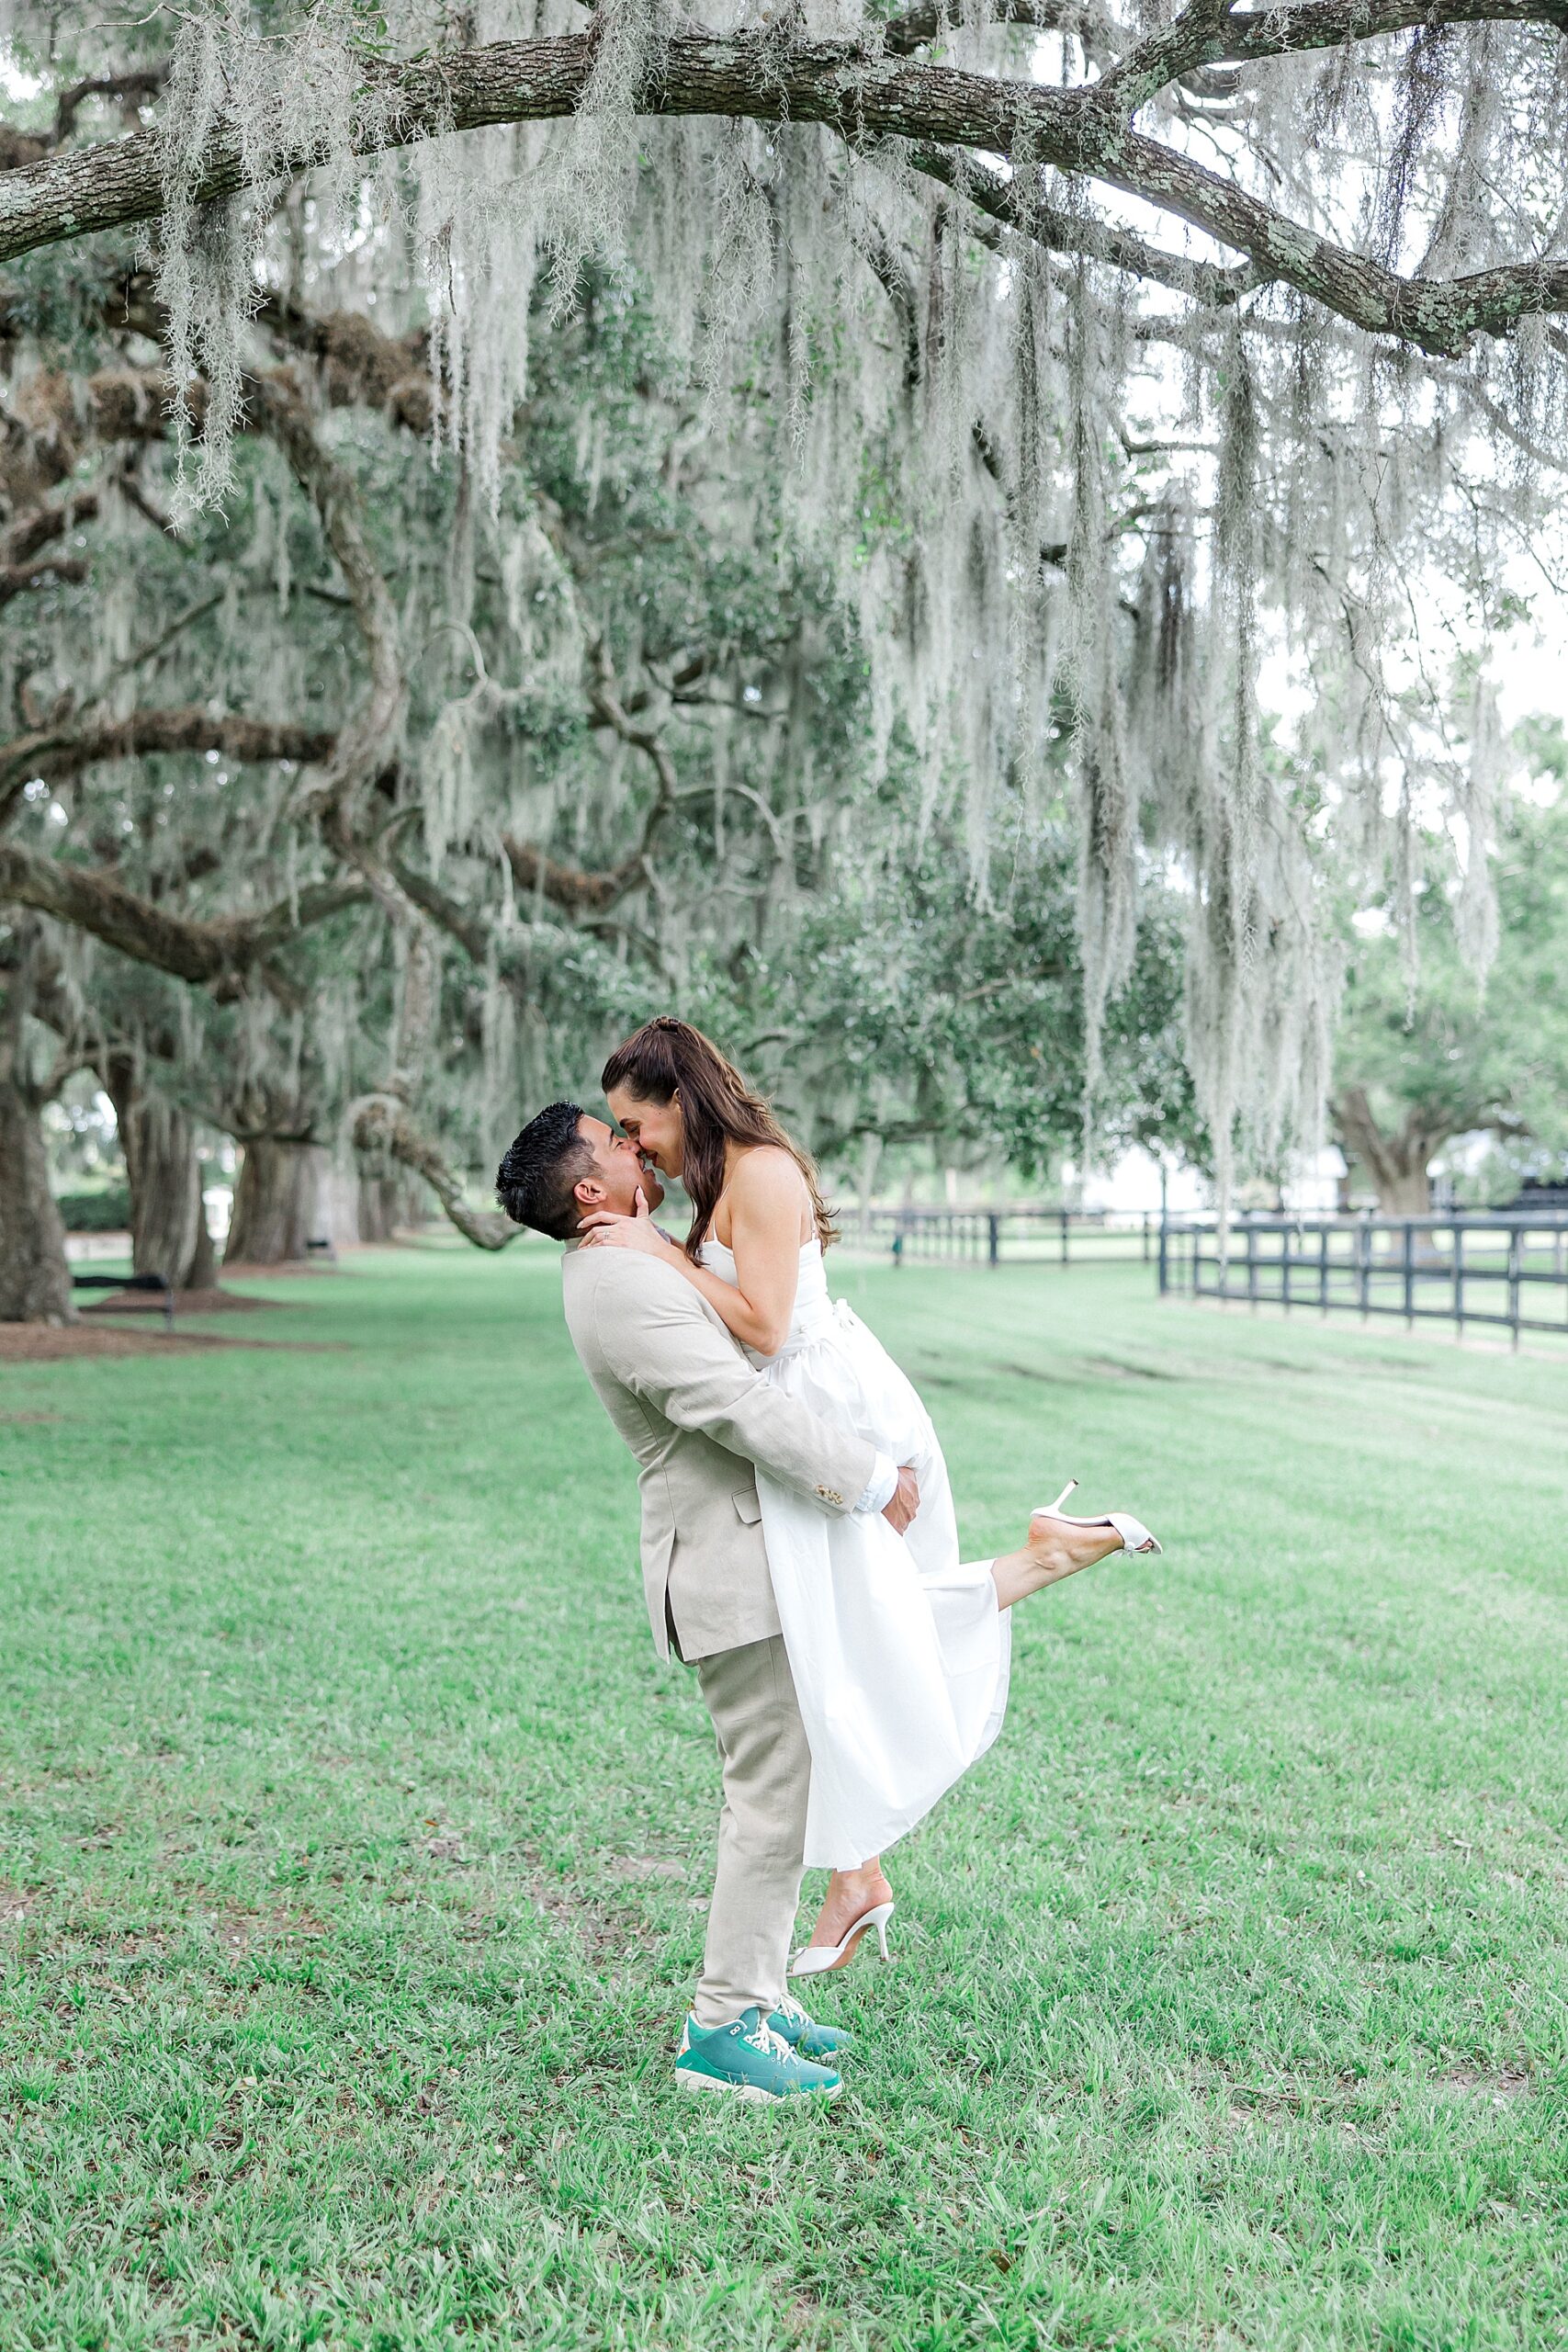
(799, 1547)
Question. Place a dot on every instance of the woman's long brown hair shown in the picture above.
(666, 1058)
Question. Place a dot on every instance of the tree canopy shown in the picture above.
(507, 522)
(1429, 1052)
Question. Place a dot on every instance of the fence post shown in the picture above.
(897, 1246)
(1455, 1232)
(1146, 1237)
(1252, 1267)
(1409, 1275)
(1323, 1267)
(1515, 1250)
(1063, 1216)
(1164, 1257)
(994, 1238)
(1364, 1266)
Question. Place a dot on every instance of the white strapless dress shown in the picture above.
(898, 1650)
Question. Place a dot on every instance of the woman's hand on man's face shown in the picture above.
(603, 1230)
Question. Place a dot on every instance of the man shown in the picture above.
(698, 1417)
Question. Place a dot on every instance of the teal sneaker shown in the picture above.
(750, 2061)
(803, 2033)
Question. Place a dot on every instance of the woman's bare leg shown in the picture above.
(851, 1894)
(1054, 1550)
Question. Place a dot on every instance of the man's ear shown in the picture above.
(588, 1191)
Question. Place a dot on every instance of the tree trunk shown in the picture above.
(337, 1200)
(1399, 1164)
(168, 1222)
(274, 1203)
(203, 1272)
(387, 1202)
(35, 1281)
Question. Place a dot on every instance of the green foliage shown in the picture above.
(1459, 1052)
(106, 1211)
(911, 1006)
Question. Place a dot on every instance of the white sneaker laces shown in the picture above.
(771, 2044)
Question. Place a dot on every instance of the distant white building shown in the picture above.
(1315, 1188)
(1132, 1183)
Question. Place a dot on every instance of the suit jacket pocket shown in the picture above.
(748, 1506)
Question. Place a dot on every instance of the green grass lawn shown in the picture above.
(353, 1844)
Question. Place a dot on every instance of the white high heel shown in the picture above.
(815, 1960)
(1136, 1536)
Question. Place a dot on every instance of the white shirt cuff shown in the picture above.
(884, 1482)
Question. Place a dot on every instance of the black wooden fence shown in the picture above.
(1497, 1269)
(1026, 1236)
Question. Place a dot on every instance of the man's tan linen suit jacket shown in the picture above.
(697, 1416)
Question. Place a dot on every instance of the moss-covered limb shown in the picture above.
(186, 948)
(382, 1126)
(19, 579)
(75, 191)
(1436, 315)
(358, 363)
(1098, 33)
(1023, 209)
(570, 886)
(55, 752)
(40, 525)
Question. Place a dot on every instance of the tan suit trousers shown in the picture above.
(751, 1696)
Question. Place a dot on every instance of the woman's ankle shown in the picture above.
(868, 1879)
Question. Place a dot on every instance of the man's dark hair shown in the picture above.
(534, 1181)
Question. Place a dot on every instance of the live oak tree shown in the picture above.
(1426, 1055)
(237, 954)
(1001, 448)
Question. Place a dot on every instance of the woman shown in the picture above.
(898, 1650)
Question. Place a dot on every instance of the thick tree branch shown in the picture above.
(887, 265)
(381, 1127)
(1097, 34)
(570, 886)
(609, 709)
(865, 95)
(26, 535)
(66, 747)
(203, 953)
(1440, 315)
(1223, 37)
(359, 365)
(132, 88)
(470, 931)
(1164, 56)
(1066, 232)
(19, 579)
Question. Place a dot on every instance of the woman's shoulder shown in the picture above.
(766, 1173)
(765, 1184)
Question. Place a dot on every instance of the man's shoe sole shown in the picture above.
(687, 2080)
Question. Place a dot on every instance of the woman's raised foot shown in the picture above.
(858, 1902)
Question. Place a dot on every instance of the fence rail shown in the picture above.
(1016, 1237)
(1505, 1270)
